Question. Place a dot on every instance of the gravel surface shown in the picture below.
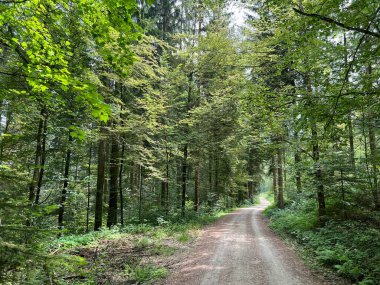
(240, 249)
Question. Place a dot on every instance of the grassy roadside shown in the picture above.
(133, 254)
(349, 248)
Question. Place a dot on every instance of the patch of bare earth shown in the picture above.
(108, 259)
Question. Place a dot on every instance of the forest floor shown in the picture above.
(241, 249)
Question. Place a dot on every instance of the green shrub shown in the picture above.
(146, 273)
(351, 248)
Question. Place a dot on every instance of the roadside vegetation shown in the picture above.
(348, 247)
(132, 254)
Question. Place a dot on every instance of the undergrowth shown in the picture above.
(348, 247)
(123, 253)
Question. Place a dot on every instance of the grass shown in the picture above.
(146, 273)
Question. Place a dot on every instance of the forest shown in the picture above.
(134, 117)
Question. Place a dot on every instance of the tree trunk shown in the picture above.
(43, 161)
(216, 176)
(274, 173)
(297, 162)
(8, 118)
(209, 176)
(196, 186)
(140, 192)
(318, 172)
(280, 196)
(65, 184)
(121, 184)
(114, 183)
(351, 140)
(374, 160)
(297, 159)
(100, 181)
(88, 189)
(184, 178)
(250, 174)
(38, 157)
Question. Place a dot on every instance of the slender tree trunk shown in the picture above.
(297, 162)
(250, 174)
(351, 140)
(209, 175)
(100, 183)
(1, 115)
(374, 160)
(88, 189)
(283, 158)
(280, 196)
(216, 176)
(349, 119)
(274, 174)
(318, 172)
(38, 157)
(65, 185)
(8, 118)
(132, 178)
(196, 186)
(167, 183)
(184, 178)
(121, 184)
(114, 183)
(43, 161)
(163, 195)
(140, 192)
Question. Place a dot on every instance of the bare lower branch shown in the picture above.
(332, 21)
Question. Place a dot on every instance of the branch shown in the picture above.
(332, 21)
(13, 2)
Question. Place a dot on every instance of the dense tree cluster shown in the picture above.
(117, 111)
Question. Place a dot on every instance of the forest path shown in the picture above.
(240, 249)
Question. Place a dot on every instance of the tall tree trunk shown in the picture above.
(196, 185)
(167, 183)
(216, 176)
(121, 184)
(114, 184)
(374, 160)
(274, 174)
(43, 161)
(132, 175)
(100, 183)
(8, 118)
(250, 174)
(88, 189)
(297, 162)
(38, 157)
(140, 192)
(280, 196)
(349, 118)
(209, 176)
(351, 141)
(62, 202)
(184, 179)
(318, 172)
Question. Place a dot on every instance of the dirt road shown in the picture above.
(239, 250)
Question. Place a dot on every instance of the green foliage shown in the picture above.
(146, 274)
(350, 248)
